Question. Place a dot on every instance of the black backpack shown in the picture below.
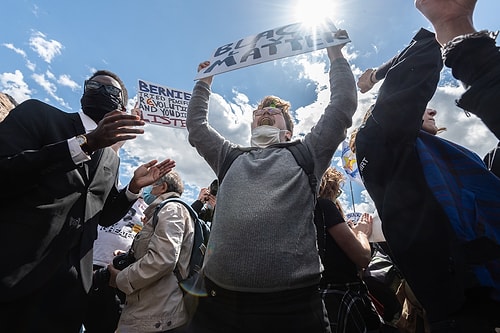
(192, 283)
(299, 151)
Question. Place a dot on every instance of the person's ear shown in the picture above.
(288, 135)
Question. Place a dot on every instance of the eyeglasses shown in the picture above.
(94, 85)
(272, 111)
(339, 193)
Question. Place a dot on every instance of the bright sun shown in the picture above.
(314, 12)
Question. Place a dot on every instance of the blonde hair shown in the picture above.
(276, 102)
(330, 185)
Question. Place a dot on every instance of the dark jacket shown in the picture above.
(416, 224)
(50, 206)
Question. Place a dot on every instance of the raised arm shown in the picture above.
(450, 18)
(472, 55)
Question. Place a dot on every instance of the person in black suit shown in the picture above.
(59, 176)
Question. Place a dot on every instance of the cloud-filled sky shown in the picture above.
(48, 48)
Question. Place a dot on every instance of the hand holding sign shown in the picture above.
(335, 51)
(201, 66)
(286, 41)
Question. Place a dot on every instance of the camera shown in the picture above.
(214, 187)
(123, 260)
(102, 275)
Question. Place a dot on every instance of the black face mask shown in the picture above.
(96, 103)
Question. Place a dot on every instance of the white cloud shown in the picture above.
(65, 80)
(14, 85)
(46, 49)
(50, 75)
(15, 49)
(31, 66)
(49, 87)
(468, 131)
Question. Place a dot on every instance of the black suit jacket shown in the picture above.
(49, 206)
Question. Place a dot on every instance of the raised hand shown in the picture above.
(115, 126)
(335, 51)
(203, 65)
(149, 173)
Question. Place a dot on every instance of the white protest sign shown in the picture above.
(377, 234)
(162, 105)
(286, 41)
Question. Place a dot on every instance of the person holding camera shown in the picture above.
(207, 199)
(154, 300)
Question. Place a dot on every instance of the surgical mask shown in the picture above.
(265, 135)
(96, 103)
(148, 197)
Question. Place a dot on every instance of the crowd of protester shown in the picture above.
(282, 256)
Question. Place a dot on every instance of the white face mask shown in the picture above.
(263, 136)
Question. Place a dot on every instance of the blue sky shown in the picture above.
(48, 48)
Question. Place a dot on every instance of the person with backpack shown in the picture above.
(154, 300)
(262, 265)
(438, 203)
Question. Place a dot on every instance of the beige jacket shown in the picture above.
(154, 300)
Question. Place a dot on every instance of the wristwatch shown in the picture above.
(82, 141)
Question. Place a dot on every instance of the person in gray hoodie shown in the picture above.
(262, 266)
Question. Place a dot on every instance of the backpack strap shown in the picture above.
(228, 161)
(303, 157)
(166, 201)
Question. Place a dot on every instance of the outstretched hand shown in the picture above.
(114, 127)
(149, 173)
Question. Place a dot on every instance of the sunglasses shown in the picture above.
(272, 111)
(94, 85)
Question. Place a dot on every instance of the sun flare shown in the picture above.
(314, 12)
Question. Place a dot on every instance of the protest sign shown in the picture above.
(286, 41)
(162, 105)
